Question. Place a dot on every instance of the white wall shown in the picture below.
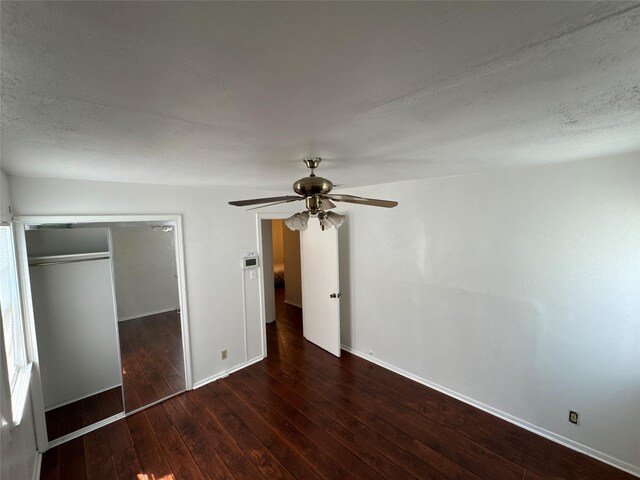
(519, 288)
(216, 235)
(18, 445)
(5, 197)
(144, 267)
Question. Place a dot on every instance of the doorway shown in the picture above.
(282, 279)
(311, 280)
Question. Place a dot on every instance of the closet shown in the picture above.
(75, 319)
(107, 320)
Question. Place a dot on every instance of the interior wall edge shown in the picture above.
(37, 466)
(549, 435)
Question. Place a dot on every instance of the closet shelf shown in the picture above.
(71, 258)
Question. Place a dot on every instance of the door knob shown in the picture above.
(335, 295)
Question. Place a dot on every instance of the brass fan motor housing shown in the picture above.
(309, 186)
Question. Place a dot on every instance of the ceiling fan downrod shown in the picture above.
(312, 163)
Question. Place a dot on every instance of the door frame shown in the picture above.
(263, 306)
(22, 223)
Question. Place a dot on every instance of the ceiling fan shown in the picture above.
(315, 191)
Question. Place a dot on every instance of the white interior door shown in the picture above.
(320, 287)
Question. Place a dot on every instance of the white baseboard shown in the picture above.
(226, 373)
(37, 466)
(289, 302)
(567, 442)
(146, 314)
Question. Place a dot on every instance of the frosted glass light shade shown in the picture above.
(297, 221)
(335, 219)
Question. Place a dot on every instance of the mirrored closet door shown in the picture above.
(75, 319)
(106, 303)
(149, 325)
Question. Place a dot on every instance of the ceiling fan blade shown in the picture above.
(256, 201)
(372, 202)
(293, 199)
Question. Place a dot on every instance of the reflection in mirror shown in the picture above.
(107, 317)
(149, 324)
(75, 320)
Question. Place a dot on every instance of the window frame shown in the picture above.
(19, 383)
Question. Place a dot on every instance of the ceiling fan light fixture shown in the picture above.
(330, 219)
(297, 221)
(335, 219)
(325, 224)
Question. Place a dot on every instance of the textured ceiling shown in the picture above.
(236, 93)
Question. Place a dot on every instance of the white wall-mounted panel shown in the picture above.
(252, 312)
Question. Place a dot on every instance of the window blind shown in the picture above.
(9, 303)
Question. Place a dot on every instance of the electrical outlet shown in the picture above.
(223, 354)
(574, 417)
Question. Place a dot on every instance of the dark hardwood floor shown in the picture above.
(74, 416)
(152, 359)
(303, 414)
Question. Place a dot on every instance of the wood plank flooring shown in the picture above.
(74, 416)
(152, 358)
(304, 414)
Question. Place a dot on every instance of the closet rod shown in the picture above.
(62, 259)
